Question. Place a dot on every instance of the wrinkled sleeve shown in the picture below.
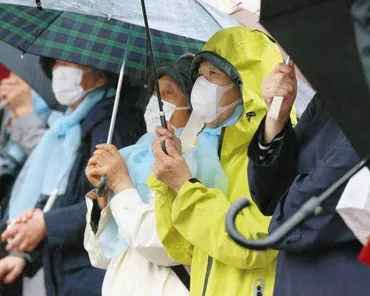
(204, 210)
(175, 244)
(91, 245)
(326, 229)
(62, 232)
(136, 224)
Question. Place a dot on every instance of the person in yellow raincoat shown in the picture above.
(190, 212)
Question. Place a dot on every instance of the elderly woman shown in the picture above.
(191, 206)
(56, 166)
(125, 241)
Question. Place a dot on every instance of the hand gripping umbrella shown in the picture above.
(103, 182)
(312, 31)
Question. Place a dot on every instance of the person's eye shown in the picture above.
(200, 75)
(212, 73)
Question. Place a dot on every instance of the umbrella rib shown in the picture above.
(208, 13)
(43, 30)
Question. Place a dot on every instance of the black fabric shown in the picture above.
(182, 274)
(319, 36)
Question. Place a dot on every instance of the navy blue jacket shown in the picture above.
(320, 257)
(66, 263)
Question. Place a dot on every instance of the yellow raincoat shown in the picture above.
(191, 223)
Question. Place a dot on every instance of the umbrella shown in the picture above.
(88, 40)
(28, 67)
(190, 18)
(326, 50)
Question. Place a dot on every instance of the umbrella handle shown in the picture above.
(311, 207)
(164, 125)
(102, 189)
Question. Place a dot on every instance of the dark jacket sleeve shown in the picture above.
(326, 229)
(65, 226)
(268, 181)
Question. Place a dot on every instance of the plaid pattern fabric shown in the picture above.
(88, 40)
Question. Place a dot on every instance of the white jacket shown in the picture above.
(143, 270)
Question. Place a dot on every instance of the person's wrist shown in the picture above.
(122, 186)
(273, 127)
(185, 179)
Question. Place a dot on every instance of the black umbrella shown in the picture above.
(319, 35)
(27, 67)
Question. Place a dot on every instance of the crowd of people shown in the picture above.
(160, 228)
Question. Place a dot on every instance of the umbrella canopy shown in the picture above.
(319, 36)
(190, 18)
(29, 69)
(88, 40)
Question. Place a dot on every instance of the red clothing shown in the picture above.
(364, 256)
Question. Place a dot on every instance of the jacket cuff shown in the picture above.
(105, 215)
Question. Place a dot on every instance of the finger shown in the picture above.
(23, 247)
(286, 84)
(171, 149)
(170, 128)
(278, 92)
(161, 131)
(285, 69)
(4, 267)
(111, 149)
(9, 81)
(99, 160)
(10, 232)
(96, 171)
(15, 242)
(13, 274)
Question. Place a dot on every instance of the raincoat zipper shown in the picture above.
(210, 259)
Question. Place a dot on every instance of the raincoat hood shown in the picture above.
(191, 222)
(247, 56)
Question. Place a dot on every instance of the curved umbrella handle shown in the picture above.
(310, 208)
(272, 240)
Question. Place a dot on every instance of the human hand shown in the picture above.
(11, 267)
(170, 168)
(18, 94)
(280, 82)
(107, 160)
(26, 236)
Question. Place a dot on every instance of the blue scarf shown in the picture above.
(49, 164)
(203, 162)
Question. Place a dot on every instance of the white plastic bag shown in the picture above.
(354, 205)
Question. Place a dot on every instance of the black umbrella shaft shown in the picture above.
(310, 208)
(151, 52)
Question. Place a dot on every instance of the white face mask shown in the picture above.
(151, 115)
(205, 99)
(66, 85)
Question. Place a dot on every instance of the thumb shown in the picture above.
(171, 150)
(170, 127)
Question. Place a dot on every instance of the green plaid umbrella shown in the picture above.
(88, 40)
